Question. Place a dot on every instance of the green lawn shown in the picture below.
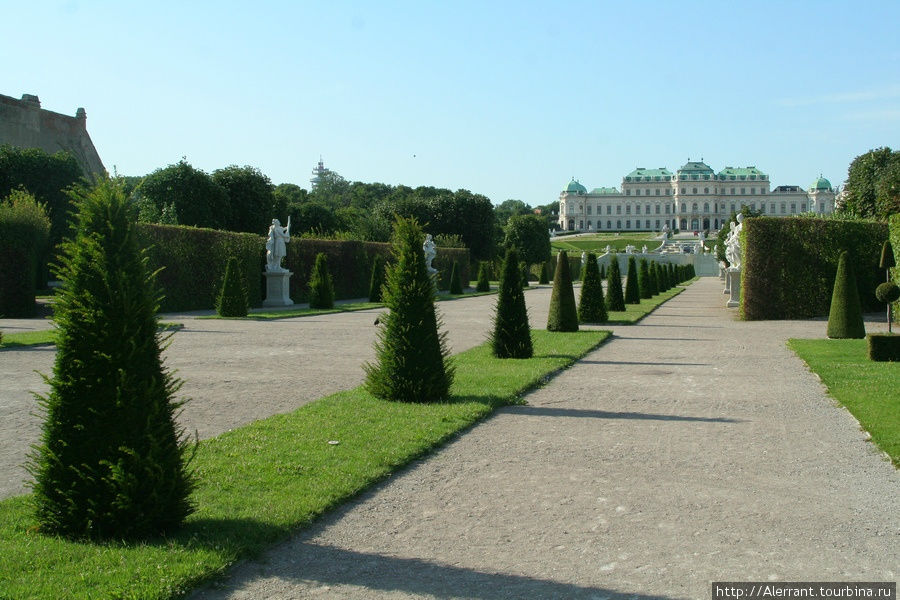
(260, 483)
(597, 243)
(302, 312)
(869, 390)
(635, 312)
(47, 337)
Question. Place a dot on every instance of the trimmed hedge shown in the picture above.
(884, 347)
(789, 264)
(193, 260)
(24, 234)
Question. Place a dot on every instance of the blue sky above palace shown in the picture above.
(506, 99)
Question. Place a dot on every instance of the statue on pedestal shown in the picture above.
(733, 243)
(430, 252)
(275, 245)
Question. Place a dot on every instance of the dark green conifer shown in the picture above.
(603, 272)
(111, 462)
(511, 336)
(615, 299)
(632, 288)
(412, 360)
(845, 318)
(377, 279)
(484, 278)
(645, 284)
(321, 288)
(544, 276)
(455, 281)
(232, 300)
(887, 261)
(592, 304)
(654, 278)
(563, 312)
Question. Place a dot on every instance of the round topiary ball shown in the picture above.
(887, 292)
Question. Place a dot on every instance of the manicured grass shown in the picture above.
(869, 390)
(302, 312)
(259, 483)
(597, 243)
(47, 337)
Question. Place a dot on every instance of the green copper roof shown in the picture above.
(741, 174)
(575, 187)
(695, 168)
(605, 190)
(642, 174)
(820, 184)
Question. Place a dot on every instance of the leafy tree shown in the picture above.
(863, 176)
(111, 462)
(412, 361)
(592, 305)
(250, 197)
(509, 208)
(24, 239)
(377, 279)
(528, 234)
(484, 278)
(321, 288)
(232, 300)
(456, 286)
(845, 318)
(563, 312)
(284, 197)
(511, 335)
(313, 217)
(615, 300)
(887, 189)
(632, 283)
(198, 200)
(331, 190)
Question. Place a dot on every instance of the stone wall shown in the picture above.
(24, 124)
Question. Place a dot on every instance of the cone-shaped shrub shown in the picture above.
(412, 361)
(545, 273)
(887, 261)
(645, 283)
(673, 278)
(511, 337)
(615, 300)
(563, 312)
(655, 286)
(456, 286)
(603, 272)
(525, 272)
(111, 462)
(592, 305)
(232, 300)
(659, 278)
(632, 290)
(377, 279)
(484, 278)
(321, 288)
(845, 319)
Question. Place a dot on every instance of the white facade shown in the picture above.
(694, 198)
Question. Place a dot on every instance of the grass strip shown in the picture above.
(868, 389)
(47, 337)
(259, 483)
(301, 312)
(635, 312)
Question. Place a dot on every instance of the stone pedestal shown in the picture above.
(278, 288)
(734, 286)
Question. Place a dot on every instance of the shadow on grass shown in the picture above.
(546, 411)
(314, 565)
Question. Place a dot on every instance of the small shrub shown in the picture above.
(412, 361)
(883, 347)
(544, 277)
(615, 299)
(632, 289)
(484, 280)
(232, 300)
(24, 235)
(645, 279)
(887, 292)
(845, 319)
(455, 282)
(376, 281)
(511, 336)
(592, 304)
(321, 288)
(563, 312)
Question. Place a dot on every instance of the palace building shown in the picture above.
(693, 198)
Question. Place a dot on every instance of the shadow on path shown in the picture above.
(648, 364)
(546, 411)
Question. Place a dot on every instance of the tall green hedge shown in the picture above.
(24, 235)
(789, 264)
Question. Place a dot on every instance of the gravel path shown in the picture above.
(236, 372)
(692, 448)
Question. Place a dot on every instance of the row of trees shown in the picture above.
(873, 185)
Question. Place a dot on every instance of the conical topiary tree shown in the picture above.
(111, 462)
(544, 277)
(645, 284)
(321, 288)
(456, 286)
(563, 312)
(412, 361)
(845, 319)
(615, 300)
(592, 304)
(484, 278)
(376, 280)
(632, 289)
(511, 336)
(603, 272)
(232, 300)
(659, 278)
(887, 261)
(653, 269)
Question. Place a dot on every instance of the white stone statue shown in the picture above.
(733, 243)
(644, 249)
(275, 245)
(607, 249)
(430, 253)
(583, 258)
(629, 249)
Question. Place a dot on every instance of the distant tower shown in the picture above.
(319, 174)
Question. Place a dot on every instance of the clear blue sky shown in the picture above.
(508, 99)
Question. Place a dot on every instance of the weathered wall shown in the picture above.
(24, 124)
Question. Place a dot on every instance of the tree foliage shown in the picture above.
(198, 200)
(615, 299)
(111, 462)
(321, 287)
(456, 286)
(376, 281)
(528, 234)
(873, 184)
(251, 198)
(592, 304)
(232, 300)
(24, 238)
(511, 335)
(632, 283)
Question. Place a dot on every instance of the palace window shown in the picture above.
(657, 209)
(783, 208)
(732, 207)
(683, 207)
(657, 191)
(609, 209)
(682, 190)
(793, 208)
(647, 209)
(668, 191)
(637, 192)
(628, 224)
(752, 191)
(695, 191)
(618, 209)
(732, 191)
(821, 207)
(657, 224)
(753, 206)
(772, 208)
(646, 192)
(706, 207)
(742, 191)
(589, 209)
(647, 224)
(589, 225)
(627, 192)
(618, 224)
(694, 207)
(637, 209)
(580, 224)
(609, 224)
(762, 208)
(627, 209)
(803, 207)
(667, 209)
(705, 190)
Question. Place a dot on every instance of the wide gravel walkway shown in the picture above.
(691, 448)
